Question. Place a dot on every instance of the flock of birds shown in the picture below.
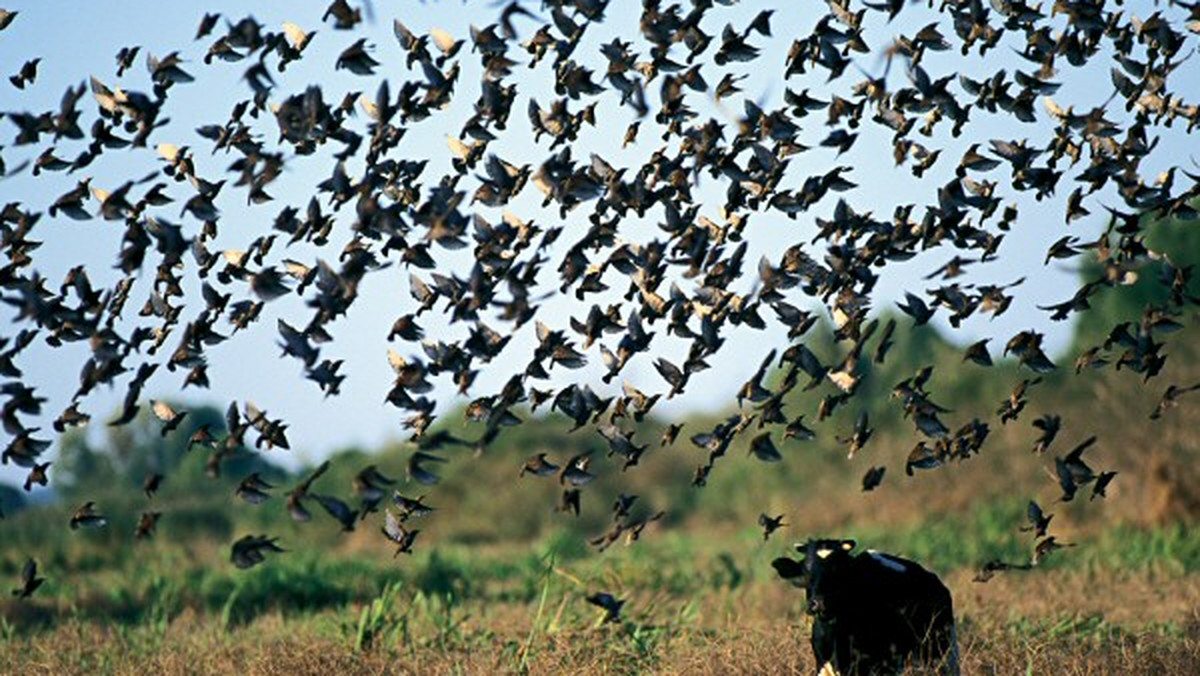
(392, 211)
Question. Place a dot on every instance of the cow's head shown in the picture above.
(815, 555)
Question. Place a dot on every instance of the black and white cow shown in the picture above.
(873, 613)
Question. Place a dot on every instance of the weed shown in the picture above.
(380, 619)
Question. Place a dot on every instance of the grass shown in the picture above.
(695, 604)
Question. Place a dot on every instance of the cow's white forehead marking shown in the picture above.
(889, 561)
(824, 552)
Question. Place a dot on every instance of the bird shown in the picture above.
(1045, 547)
(151, 484)
(569, 501)
(1049, 424)
(1170, 399)
(147, 523)
(30, 582)
(296, 497)
(37, 475)
(761, 447)
(1072, 471)
(610, 604)
(575, 471)
(873, 478)
(338, 509)
(1038, 520)
(977, 353)
(538, 465)
(416, 472)
(251, 550)
(770, 524)
(410, 507)
(86, 516)
(858, 437)
(371, 487)
(621, 506)
(670, 433)
(916, 308)
(393, 528)
(26, 75)
(1103, 479)
(989, 569)
(253, 489)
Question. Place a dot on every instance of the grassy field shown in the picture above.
(1126, 604)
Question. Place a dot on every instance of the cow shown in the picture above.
(873, 613)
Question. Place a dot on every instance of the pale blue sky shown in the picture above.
(76, 40)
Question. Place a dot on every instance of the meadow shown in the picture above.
(1124, 602)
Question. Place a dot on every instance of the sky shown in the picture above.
(78, 40)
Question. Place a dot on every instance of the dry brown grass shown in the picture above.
(273, 646)
(1068, 623)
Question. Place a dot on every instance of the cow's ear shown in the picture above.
(791, 570)
(847, 545)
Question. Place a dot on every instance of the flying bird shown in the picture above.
(30, 582)
(251, 550)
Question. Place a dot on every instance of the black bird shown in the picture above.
(989, 569)
(873, 478)
(296, 497)
(395, 531)
(575, 471)
(1170, 399)
(251, 550)
(416, 472)
(570, 501)
(916, 308)
(1102, 481)
(338, 509)
(1038, 520)
(621, 506)
(86, 516)
(253, 489)
(1072, 471)
(151, 484)
(1049, 424)
(770, 524)
(977, 352)
(344, 16)
(538, 465)
(858, 437)
(371, 486)
(29, 580)
(410, 507)
(37, 475)
(609, 603)
(26, 75)
(1045, 547)
(146, 525)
